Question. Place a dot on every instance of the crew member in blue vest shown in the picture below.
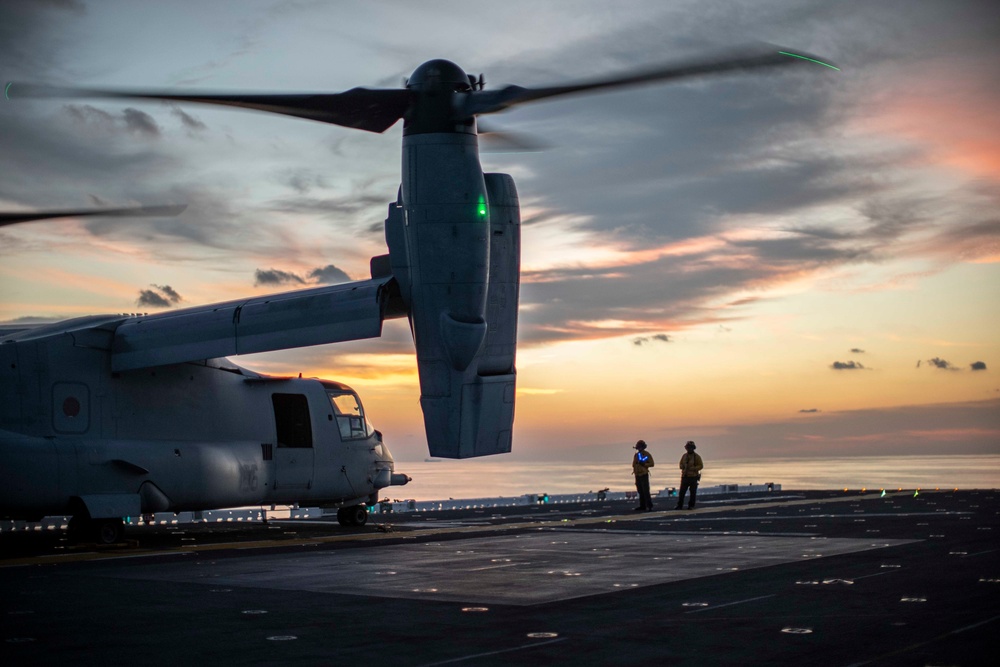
(641, 463)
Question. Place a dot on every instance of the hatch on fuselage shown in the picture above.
(294, 458)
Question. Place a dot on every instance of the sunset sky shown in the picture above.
(781, 263)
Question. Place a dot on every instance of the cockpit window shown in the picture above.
(350, 416)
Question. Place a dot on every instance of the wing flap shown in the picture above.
(331, 314)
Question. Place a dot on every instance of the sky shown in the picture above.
(793, 263)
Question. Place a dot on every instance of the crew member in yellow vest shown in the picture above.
(691, 465)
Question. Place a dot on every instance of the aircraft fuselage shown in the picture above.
(177, 437)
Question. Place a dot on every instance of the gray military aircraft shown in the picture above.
(108, 416)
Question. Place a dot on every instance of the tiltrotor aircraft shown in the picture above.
(108, 416)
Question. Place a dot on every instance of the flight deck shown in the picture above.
(828, 577)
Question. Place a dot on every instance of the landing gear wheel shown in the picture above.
(356, 515)
(108, 531)
(359, 515)
(83, 529)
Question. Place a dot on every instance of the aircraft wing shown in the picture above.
(331, 314)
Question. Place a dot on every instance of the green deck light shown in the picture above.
(812, 60)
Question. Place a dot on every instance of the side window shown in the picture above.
(350, 416)
(291, 417)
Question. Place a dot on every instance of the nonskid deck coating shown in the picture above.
(835, 579)
(525, 569)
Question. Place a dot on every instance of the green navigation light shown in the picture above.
(812, 60)
(482, 206)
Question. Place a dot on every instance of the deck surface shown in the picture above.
(824, 578)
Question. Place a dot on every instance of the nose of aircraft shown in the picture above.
(385, 474)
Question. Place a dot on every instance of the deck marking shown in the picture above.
(494, 567)
(980, 553)
(485, 655)
(730, 604)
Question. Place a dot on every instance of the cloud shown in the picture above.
(660, 289)
(169, 292)
(161, 296)
(304, 180)
(329, 275)
(855, 350)
(757, 163)
(809, 411)
(140, 122)
(32, 319)
(642, 340)
(325, 275)
(276, 277)
(132, 121)
(326, 207)
(211, 221)
(846, 366)
(189, 122)
(978, 365)
(706, 176)
(942, 364)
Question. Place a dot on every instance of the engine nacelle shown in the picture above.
(457, 264)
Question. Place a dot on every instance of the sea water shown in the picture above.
(492, 476)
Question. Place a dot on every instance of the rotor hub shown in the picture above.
(440, 75)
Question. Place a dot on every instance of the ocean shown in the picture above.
(490, 477)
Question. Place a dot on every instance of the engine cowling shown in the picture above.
(457, 265)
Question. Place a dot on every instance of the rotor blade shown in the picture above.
(136, 211)
(482, 102)
(359, 108)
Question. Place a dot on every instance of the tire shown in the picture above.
(353, 517)
(358, 515)
(108, 531)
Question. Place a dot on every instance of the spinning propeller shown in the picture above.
(136, 211)
(437, 93)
